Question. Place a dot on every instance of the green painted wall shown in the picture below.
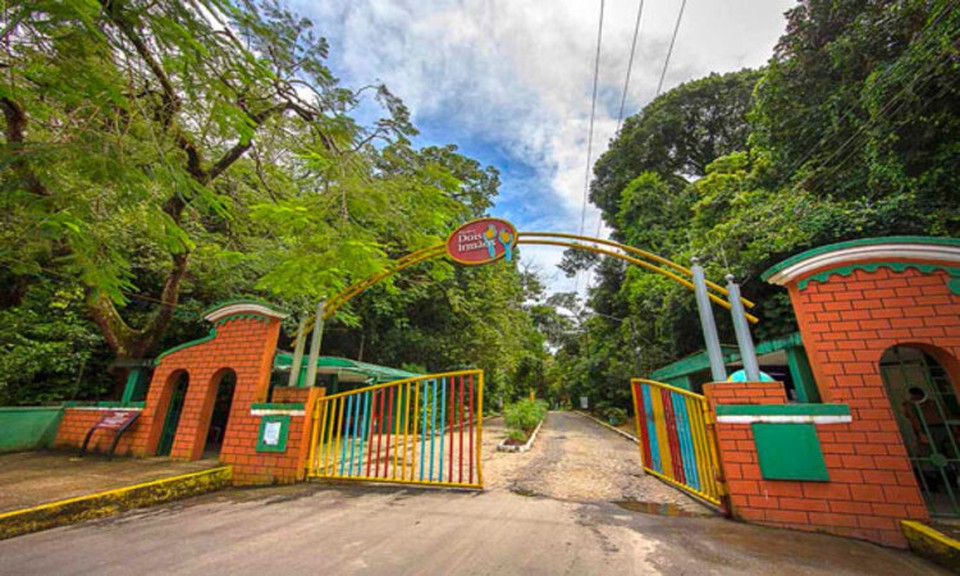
(29, 428)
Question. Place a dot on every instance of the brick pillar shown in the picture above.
(243, 341)
(866, 496)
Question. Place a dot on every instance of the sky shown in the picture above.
(510, 82)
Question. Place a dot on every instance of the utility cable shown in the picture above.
(593, 112)
(666, 63)
(626, 84)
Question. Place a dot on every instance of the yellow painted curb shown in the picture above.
(932, 544)
(110, 502)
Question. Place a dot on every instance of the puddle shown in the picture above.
(654, 508)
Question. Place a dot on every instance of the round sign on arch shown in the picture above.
(482, 241)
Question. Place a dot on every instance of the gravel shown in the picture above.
(577, 460)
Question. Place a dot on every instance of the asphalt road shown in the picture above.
(323, 529)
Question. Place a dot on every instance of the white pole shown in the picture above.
(315, 346)
(709, 325)
(748, 354)
(301, 339)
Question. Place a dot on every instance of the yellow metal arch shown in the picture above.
(675, 272)
(631, 250)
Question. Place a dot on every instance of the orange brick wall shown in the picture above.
(847, 322)
(244, 345)
(252, 467)
(77, 422)
(869, 491)
(759, 393)
(290, 395)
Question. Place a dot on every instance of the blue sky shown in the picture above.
(510, 81)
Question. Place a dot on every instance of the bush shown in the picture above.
(518, 435)
(524, 415)
(615, 416)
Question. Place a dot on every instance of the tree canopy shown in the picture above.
(851, 130)
(159, 157)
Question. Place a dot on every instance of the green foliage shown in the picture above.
(524, 415)
(48, 348)
(517, 435)
(851, 131)
(612, 414)
(152, 160)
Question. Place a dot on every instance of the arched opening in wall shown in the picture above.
(179, 382)
(925, 404)
(221, 412)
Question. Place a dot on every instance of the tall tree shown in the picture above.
(676, 136)
(859, 108)
(134, 130)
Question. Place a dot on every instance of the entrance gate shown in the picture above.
(354, 432)
(927, 411)
(677, 440)
(424, 430)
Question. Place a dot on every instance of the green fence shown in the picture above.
(28, 428)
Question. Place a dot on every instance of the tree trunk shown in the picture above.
(136, 343)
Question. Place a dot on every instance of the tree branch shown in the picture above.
(170, 97)
(240, 148)
(16, 119)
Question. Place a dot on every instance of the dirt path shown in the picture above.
(575, 459)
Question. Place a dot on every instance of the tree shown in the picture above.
(676, 136)
(143, 136)
(858, 107)
(853, 132)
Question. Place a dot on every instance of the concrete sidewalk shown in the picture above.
(30, 479)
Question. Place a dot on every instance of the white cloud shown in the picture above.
(519, 73)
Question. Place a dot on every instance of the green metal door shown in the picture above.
(173, 417)
(925, 404)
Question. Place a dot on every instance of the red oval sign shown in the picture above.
(482, 241)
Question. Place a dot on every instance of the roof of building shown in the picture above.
(889, 248)
(699, 361)
(346, 370)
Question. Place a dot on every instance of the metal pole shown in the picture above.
(301, 339)
(717, 369)
(748, 354)
(315, 346)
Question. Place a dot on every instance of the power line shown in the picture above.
(666, 63)
(904, 63)
(593, 111)
(626, 84)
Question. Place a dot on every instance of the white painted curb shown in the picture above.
(626, 435)
(501, 447)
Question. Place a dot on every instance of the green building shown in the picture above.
(336, 374)
(783, 358)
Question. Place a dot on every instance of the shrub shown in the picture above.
(524, 415)
(518, 435)
(615, 416)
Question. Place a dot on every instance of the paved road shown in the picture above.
(318, 529)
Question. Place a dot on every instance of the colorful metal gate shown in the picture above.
(424, 430)
(677, 442)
